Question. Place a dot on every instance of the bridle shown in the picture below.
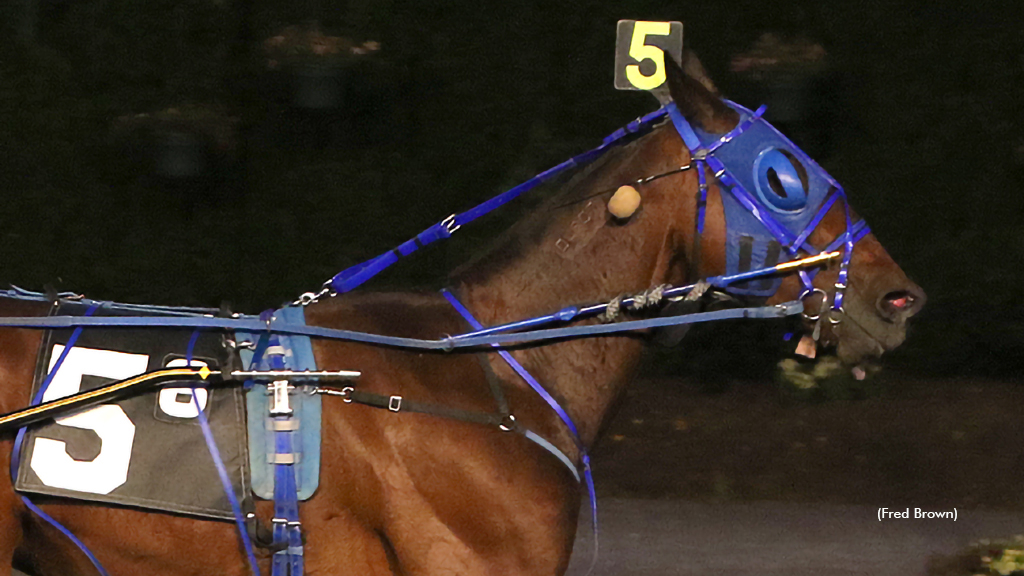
(750, 214)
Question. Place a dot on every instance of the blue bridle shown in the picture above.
(777, 196)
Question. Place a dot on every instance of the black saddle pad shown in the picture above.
(145, 451)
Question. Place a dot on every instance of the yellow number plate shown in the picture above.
(640, 49)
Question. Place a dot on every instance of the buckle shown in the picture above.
(450, 225)
(395, 403)
(507, 423)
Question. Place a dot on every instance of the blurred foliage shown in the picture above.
(464, 101)
(1002, 557)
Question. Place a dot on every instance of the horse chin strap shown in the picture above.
(702, 154)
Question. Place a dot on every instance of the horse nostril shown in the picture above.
(900, 303)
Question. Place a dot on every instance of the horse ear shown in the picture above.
(693, 68)
(696, 96)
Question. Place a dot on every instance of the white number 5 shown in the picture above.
(109, 469)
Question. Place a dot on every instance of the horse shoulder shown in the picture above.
(432, 485)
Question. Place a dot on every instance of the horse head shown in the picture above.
(766, 202)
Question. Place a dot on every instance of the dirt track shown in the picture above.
(669, 537)
(926, 443)
(745, 482)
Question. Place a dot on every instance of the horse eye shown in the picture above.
(800, 170)
(781, 180)
(776, 184)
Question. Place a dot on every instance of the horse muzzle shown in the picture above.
(873, 325)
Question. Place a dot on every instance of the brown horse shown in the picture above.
(416, 494)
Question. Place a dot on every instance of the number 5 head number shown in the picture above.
(640, 49)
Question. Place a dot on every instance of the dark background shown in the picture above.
(466, 99)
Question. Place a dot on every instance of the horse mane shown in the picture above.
(531, 230)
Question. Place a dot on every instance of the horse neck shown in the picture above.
(578, 255)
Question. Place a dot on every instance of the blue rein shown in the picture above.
(354, 276)
(703, 157)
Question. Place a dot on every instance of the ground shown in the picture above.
(920, 442)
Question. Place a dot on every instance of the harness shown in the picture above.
(776, 193)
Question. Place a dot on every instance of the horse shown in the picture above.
(417, 494)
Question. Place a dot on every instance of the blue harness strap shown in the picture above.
(286, 531)
(562, 414)
(20, 438)
(752, 169)
(354, 276)
(306, 409)
(284, 428)
(222, 472)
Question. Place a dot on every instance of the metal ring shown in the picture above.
(824, 303)
(836, 315)
(507, 423)
(347, 394)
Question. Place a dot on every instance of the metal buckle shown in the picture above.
(450, 225)
(310, 297)
(233, 345)
(508, 423)
(395, 403)
(824, 303)
(282, 458)
(279, 405)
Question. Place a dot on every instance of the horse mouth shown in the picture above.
(856, 346)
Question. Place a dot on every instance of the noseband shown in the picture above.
(786, 182)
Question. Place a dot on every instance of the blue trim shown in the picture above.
(543, 443)
(463, 341)
(747, 217)
(20, 438)
(515, 365)
(286, 530)
(222, 472)
(307, 410)
(23, 294)
(526, 376)
(354, 276)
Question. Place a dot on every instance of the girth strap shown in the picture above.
(402, 404)
(288, 560)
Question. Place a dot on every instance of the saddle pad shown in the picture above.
(306, 411)
(147, 450)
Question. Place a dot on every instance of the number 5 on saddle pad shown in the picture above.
(145, 451)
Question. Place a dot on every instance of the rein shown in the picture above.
(286, 521)
(702, 155)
